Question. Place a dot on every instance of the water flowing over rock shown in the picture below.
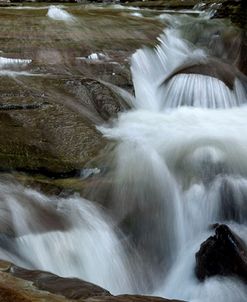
(57, 13)
(170, 159)
(170, 79)
(51, 99)
(65, 230)
(44, 286)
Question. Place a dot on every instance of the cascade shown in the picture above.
(176, 165)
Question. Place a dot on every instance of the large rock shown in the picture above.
(22, 285)
(49, 137)
(71, 288)
(49, 106)
(223, 254)
(53, 136)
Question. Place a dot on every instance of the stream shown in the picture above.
(175, 161)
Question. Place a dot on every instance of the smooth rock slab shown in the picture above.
(22, 285)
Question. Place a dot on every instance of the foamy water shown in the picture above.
(59, 14)
(13, 62)
(177, 164)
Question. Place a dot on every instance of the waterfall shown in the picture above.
(176, 163)
(180, 156)
(69, 236)
(185, 68)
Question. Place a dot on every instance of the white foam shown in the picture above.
(59, 14)
(119, 6)
(12, 73)
(136, 14)
(88, 249)
(13, 62)
(94, 57)
(23, 7)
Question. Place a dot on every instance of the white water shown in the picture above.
(11, 67)
(180, 169)
(9, 61)
(179, 165)
(70, 237)
(59, 14)
(136, 14)
(95, 57)
(151, 67)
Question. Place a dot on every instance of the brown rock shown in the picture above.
(130, 298)
(22, 285)
(71, 288)
(48, 121)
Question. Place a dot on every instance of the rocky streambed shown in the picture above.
(62, 71)
(53, 86)
(57, 76)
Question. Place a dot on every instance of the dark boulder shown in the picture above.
(223, 254)
(212, 67)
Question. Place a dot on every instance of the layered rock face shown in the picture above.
(22, 285)
(54, 87)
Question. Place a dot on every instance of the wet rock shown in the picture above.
(164, 4)
(213, 68)
(48, 115)
(19, 290)
(39, 283)
(22, 285)
(223, 254)
(101, 101)
(130, 298)
(173, 4)
(54, 185)
(54, 138)
(71, 288)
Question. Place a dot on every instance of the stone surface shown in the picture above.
(71, 288)
(129, 298)
(225, 72)
(50, 106)
(22, 285)
(223, 254)
(54, 136)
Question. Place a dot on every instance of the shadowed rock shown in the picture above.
(223, 254)
(213, 68)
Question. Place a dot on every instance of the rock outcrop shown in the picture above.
(22, 285)
(51, 100)
(54, 137)
(223, 254)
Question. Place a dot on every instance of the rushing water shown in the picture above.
(57, 13)
(177, 165)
